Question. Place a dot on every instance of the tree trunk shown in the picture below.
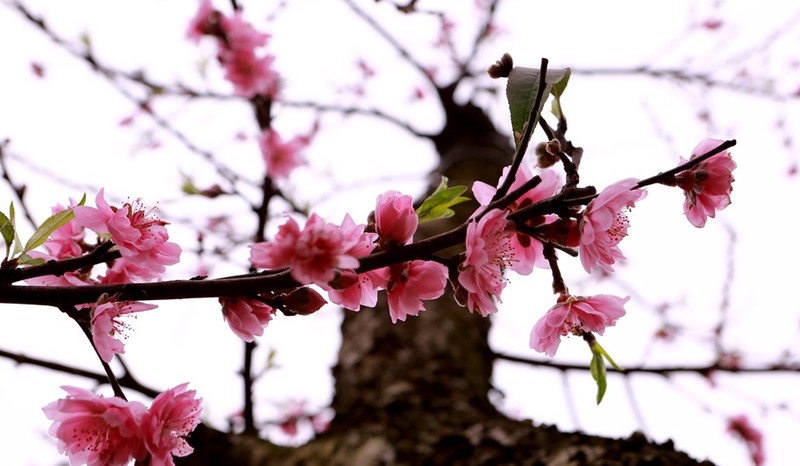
(416, 393)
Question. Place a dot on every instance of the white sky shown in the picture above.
(66, 127)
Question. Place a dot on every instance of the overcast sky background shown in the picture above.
(66, 140)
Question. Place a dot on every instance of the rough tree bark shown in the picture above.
(416, 393)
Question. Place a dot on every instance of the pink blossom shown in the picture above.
(107, 326)
(741, 427)
(395, 218)
(575, 315)
(604, 224)
(281, 157)
(246, 317)
(315, 254)
(359, 289)
(707, 185)
(96, 431)
(173, 415)
(141, 238)
(125, 271)
(528, 250)
(250, 72)
(411, 282)
(203, 23)
(489, 253)
(279, 252)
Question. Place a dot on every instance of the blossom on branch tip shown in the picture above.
(107, 326)
(246, 317)
(707, 185)
(489, 253)
(395, 218)
(409, 283)
(575, 315)
(604, 224)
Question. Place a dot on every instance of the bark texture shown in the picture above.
(416, 393)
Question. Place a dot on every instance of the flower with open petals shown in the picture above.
(141, 237)
(107, 326)
(604, 224)
(96, 431)
(575, 315)
(316, 253)
(489, 253)
(246, 317)
(528, 250)
(173, 415)
(708, 184)
(411, 282)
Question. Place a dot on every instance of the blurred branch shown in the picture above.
(19, 190)
(704, 370)
(125, 380)
(763, 90)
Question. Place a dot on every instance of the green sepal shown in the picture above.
(521, 90)
(438, 204)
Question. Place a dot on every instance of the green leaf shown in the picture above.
(7, 231)
(47, 228)
(12, 217)
(28, 260)
(521, 90)
(438, 204)
(599, 349)
(598, 369)
(557, 91)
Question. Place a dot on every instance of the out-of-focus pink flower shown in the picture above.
(741, 427)
(173, 415)
(281, 157)
(528, 250)
(314, 254)
(411, 282)
(250, 72)
(246, 317)
(575, 315)
(204, 22)
(141, 238)
(707, 185)
(96, 431)
(604, 224)
(489, 253)
(107, 326)
(395, 218)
